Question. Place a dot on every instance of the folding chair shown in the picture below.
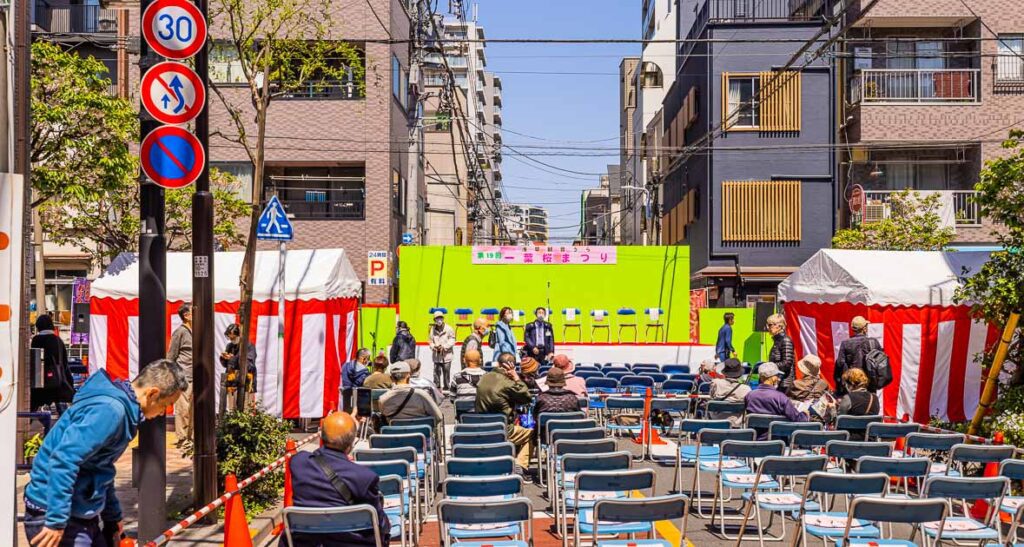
(624, 406)
(626, 319)
(962, 454)
(483, 450)
(599, 320)
(934, 445)
(761, 423)
(404, 500)
(784, 430)
(916, 512)
(902, 469)
(825, 524)
(802, 443)
(424, 463)
(653, 367)
(740, 475)
(366, 406)
(878, 431)
(479, 428)
(773, 470)
(596, 387)
(564, 481)
(658, 377)
(519, 322)
(427, 431)
(725, 410)
(677, 407)
(587, 374)
(592, 486)
(472, 520)
(675, 369)
(856, 425)
(636, 382)
(654, 320)
(382, 460)
(481, 418)
(572, 318)
(480, 467)
(683, 376)
(988, 489)
(560, 447)
(687, 453)
(396, 504)
(330, 520)
(463, 320)
(617, 374)
(676, 386)
(1013, 470)
(551, 426)
(847, 452)
(642, 511)
(479, 437)
(707, 458)
(481, 489)
(463, 406)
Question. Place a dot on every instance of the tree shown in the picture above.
(911, 225)
(281, 47)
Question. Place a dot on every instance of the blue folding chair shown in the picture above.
(600, 320)
(483, 450)
(831, 525)
(396, 505)
(688, 451)
(803, 443)
(587, 374)
(644, 512)
(675, 369)
(426, 430)
(573, 463)
(878, 431)
(478, 437)
(591, 486)
(968, 489)
(634, 382)
(784, 430)
(463, 406)
(424, 463)
(463, 320)
(658, 377)
(936, 446)
(572, 445)
(844, 454)
(481, 489)
(743, 477)
(962, 454)
(676, 407)
(403, 501)
(624, 405)
(677, 386)
(707, 458)
(617, 374)
(903, 469)
(480, 467)
(1013, 470)
(472, 520)
(487, 427)
(725, 410)
(856, 425)
(557, 421)
(572, 318)
(683, 376)
(915, 512)
(761, 423)
(481, 418)
(774, 470)
(626, 319)
(653, 367)
(330, 520)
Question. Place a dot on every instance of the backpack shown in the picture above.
(492, 338)
(876, 366)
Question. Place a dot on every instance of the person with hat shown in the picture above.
(528, 369)
(405, 401)
(380, 379)
(573, 383)
(767, 399)
(403, 346)
(729, 386)
(556, 398)
(810, 387)
(853, 352)
(442, 347)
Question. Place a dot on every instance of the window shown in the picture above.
(742, 109)
(761, 211)
(765, 101)
(225, 67)
(438, 122)
(399, 82)
(397, 192)
(319, 193)
(1010, 62)
(242, 172)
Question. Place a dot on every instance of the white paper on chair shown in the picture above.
(481, 527)
(829, 521)
(599, 314)
(956, 526)
(570, 315)
(740, 478)
(937, 467)
(588, 516)
(515, 315)
(1013, 503)
(390, 502)
(654, 314)
(780, 499)
(597, 495)
(724, 464)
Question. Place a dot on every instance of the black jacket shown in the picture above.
(232, 364)
(313, 489)
(783, 355)
(59, 386)
(851, 355)
(530, 341)
(403, 346)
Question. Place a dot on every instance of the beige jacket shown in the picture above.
(442, 343)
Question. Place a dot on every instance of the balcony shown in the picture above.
(74, 19)
(497, 116)
(497, 96)
(916, 86)
(320, 198)
(1009, 70)
(965, 211)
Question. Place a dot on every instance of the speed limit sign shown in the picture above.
(175, 29)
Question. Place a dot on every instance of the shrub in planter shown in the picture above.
(247, 441)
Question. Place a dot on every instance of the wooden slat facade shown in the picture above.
(761, 211)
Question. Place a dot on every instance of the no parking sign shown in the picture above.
(172, 157)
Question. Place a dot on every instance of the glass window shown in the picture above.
(1010, 63)
(742, 108)
(242, 171)
(399, 82)
(225, 67)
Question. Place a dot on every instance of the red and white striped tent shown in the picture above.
(933, 343)
(321, 300)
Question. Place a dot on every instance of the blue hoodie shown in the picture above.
(73, 474)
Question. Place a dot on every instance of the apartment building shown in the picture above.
(526, 223)
(601, 210)
(745, 158)
(629, 159)
(931, 88)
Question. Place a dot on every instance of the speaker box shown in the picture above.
(80, 318)
(761, 312)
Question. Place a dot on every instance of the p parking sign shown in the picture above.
(377, 268)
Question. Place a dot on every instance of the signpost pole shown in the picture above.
(204, 393)
(274, 225)
(280, 321)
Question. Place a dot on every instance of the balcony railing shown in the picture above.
(899, 85)
(965, 210)
(1010, 69)
(327, 89)
(75, 19)
(321, 203)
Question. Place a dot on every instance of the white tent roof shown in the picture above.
(310, 274)
(891, 278)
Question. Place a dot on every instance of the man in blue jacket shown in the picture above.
(71, 492)
(723, 345)
(539, 338)
(353, 374)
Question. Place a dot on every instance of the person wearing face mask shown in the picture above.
(70, 499)
(504, 340)
(442, 345)
(233, 378)
(539, 338)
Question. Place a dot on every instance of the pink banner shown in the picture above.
(492, 254)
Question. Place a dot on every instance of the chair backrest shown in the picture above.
(479, 428)
(561, 447)
(399, 468)
(622, 480)
(692, 427)
(412, 440)
(585, 434)
(853, 484)
(599, 384)
(816, 439)
(405, 453)
(364, 400)
(855, 424)
(936, 442)
(588, 374)
(575, 462)
(1012, 469)
(558, 425)
(483, 450)
(617, 374)
(704, 388)
(792, 466)
(658, 377)
(471, 512)
(726, 408)
(624, 403)
(899, 510)
(330, 520)
(784, 430)
(979, 453)
(489, 437)
(625, 311)
(425, 430)
(889, 432)
(851, 450)
(545, 417)
(672, 404)
(635, 380)
(966, 488)
(676, 385)
(464, 405)
(646, 369)
(653, 509)
(683, 376)
(392, 485)
(509, 485)
(422, 420)
(715, 436)
(480, 467)
(751, 449)
(675, 369)
(894, 467)
(599, 315)
(481, 418)
(760, 422)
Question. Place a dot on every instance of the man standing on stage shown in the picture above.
(539, 338)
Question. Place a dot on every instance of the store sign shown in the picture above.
(544, 255)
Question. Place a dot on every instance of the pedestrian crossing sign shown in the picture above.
(273, 223)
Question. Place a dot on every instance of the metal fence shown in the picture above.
(1010, 69)
(916, 85)
(966, 210)
(312, 203)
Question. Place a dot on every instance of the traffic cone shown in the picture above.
(980, 508)
(289, 451)
(126, 542)
(648, 431)
(236, 528)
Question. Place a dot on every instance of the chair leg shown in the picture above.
(746, 518)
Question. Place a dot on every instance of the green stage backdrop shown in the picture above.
(376, 327)
(744, 339)
(643, 277)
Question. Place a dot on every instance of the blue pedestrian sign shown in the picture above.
(407, 238)
(273, 223)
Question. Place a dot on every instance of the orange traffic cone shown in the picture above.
(648, 433)
(126, 542)
(289, 451)
(980, 508)
(236, 528)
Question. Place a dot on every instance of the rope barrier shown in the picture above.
(213, 505)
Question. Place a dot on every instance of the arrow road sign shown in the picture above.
(172, 157)
(407, 238)
(175, 29)
(172, 93)
(273, 223)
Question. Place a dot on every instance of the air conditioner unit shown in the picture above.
(875, 212)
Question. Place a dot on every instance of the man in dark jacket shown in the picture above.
(723, 344)
(71, 491)
(327, 478)
(782, 352)
(539, 338)
(852, 352)
(233, 377)
(499, 392)
(404, 345)
(556, 398)
(58, 384)
(353, 374)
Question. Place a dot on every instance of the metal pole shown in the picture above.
(204, 388)
(283, 249)
(152, 451)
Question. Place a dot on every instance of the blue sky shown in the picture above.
(577, 107)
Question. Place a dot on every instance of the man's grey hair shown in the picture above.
(414, 365)
(507, 359)
(399, 376)
(363, 352)
(165, 375)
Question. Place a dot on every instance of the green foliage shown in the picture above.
(32, 446)
(912, 225)
(247, 441)
(228, 208)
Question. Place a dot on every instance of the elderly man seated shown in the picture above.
(326, 477)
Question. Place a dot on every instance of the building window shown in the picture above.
(1010, 62)
(242, 172)
(225, 67)
(438, 122)
(399, 82)
(319, 193)
(742, 109)
(765, 101)
(756, 212)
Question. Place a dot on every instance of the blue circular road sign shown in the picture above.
(172, 157)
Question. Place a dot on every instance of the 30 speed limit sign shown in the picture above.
(174, 29)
